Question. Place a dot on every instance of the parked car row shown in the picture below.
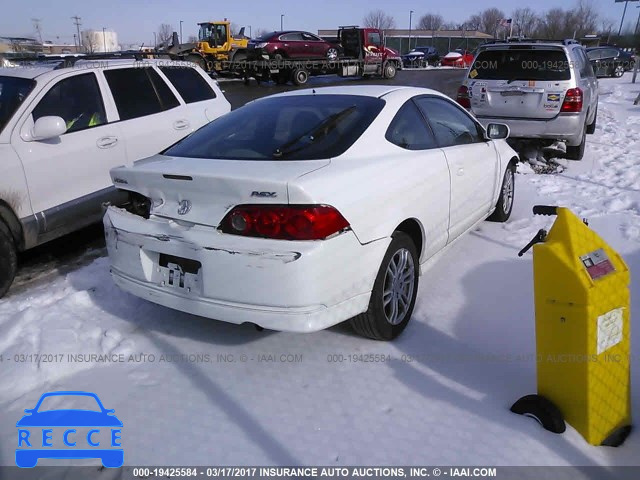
(258, 215)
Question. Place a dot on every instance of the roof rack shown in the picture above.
(69, 60)
(566, 41)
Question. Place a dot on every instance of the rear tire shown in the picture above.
(504, 206)
(299, 76)
(577, 152)
(332, 54)
(8, 259)
(388, 314)
(591, 128)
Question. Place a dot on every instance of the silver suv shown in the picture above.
(545, 91)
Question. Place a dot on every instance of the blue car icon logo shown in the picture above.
(69, 433)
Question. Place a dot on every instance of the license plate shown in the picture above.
(512, 93)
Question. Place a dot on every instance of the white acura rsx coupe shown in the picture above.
(302, 210)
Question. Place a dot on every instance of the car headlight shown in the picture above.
(261, 45)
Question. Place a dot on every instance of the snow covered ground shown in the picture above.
(443, 398)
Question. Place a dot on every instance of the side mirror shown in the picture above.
(497, 131)
(46, 128)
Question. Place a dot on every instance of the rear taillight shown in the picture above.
(284, 222)
(463, 97)
(572, 101)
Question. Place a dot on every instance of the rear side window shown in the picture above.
(450, 124)
(189, 84)
(409, 130)
(77, 100)
(522, 64)
(139, 92)
(291, 37)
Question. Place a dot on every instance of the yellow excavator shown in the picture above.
(215, 49)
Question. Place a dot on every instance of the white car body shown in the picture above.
(300, 286)
(49, 187)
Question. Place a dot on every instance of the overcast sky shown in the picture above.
(136, 21)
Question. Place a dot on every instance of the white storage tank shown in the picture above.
(99, 41)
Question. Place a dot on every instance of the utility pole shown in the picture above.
(155, 41)
(37, 27)
(410, 19)
(282, 22)
(181, 31)
(104, 40)
(76, 20)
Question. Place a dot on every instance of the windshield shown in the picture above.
(13, 91)
(266, 36)
(298, 127)
(66, 402)
(521, 64)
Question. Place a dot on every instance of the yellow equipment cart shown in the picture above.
(582, 303)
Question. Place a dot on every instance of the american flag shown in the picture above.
(504, 22)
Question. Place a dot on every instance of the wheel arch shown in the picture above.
(415, 230)
(9, 218)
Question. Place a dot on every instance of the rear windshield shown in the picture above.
(13, 91)
(521, 64)
(299, 127)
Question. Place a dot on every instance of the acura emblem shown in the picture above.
(184, 207)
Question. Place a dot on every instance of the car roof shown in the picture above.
(376, 91)
(41, 66)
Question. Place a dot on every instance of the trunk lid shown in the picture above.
(202, 191)
(522, 83)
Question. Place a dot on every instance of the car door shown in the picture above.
(587, 81)
(425, 174)
(151, 117)
(472, 160)
(202, 103)
(314, 46)
(68, 175)
(293, 44)
(594, 57)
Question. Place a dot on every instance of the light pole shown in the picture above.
(635, 32)
(282, 22)
(181, 32)
(104, 40)
(155, 41)
(410, 19)
(624, 12)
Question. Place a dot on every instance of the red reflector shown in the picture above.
(572, 101)
(284, 222)
(463, 97)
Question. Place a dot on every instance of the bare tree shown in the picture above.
(90, 42)
(553, 24)
(165, 33)
(490, 19)
(430, 21)
(474, 22)
(379, 19)
(582, 20)
(525, 21)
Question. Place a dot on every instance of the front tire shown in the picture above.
(332, 54)
(504, 206)
(618, 71)
(389, 70)
(8, 259)
(394, 292)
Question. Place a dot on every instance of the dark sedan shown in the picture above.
(610, 61)
(421, 57)
(292, 44)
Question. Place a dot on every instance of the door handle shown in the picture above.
(181, 124)
(106, 142)
(460, 172)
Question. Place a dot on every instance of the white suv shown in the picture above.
(65, 124)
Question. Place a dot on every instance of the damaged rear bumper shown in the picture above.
(281, 285)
